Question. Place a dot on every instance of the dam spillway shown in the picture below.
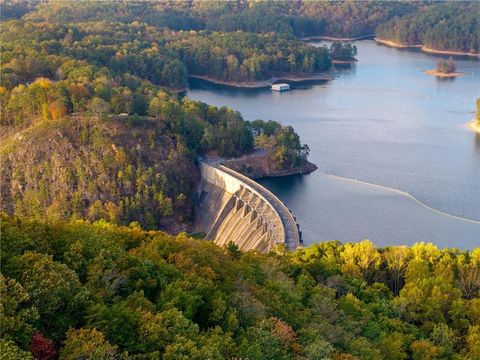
(233, 208)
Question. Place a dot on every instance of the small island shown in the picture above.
(446, 69)
(343, 53)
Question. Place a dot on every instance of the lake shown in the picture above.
(381, 121)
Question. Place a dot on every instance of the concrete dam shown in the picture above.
(233, 208)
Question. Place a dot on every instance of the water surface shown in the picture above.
(384, 122)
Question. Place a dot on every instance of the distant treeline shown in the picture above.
(447, 26)
(299, 18)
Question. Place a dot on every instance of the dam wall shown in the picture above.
(233, 208)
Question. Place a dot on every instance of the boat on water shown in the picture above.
(280, 87)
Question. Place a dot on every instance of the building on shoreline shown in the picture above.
(280, 87)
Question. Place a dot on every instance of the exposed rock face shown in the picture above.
(256, 167)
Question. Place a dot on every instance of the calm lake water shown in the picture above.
(381, 121)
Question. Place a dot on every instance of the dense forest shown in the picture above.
(441, 25)
(307, 18)
(96, 291)
(92, 130)
(343, 51)
(244, 56)
(96, 164)
(446, 26)
(163, 57)
(95, 133)
(299, 18)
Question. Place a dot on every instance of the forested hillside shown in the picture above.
(442, 25)
(243, 56)
(33, 47)
(299, 18)
(90, 128)
(104, 292)
(106, 49)
(309, 18)
(449, 26)
(89, 131)
(95, 133)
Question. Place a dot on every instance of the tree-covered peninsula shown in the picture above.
(447, 26)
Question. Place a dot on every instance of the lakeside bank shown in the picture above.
(263, 84)
(423, 48)
(259, 165)
(340, 39)
(341, 62)
(437, 73)
(257, 169)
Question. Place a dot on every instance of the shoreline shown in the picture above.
(447, 52)
(178, 91)
(474, 126)
(337, 62)
(396, 45)
(298, 170)
(257, 165)
(341, 39)
(442, 75)
(258, 173)
(248, 85)
(423, 48)
(264, 83)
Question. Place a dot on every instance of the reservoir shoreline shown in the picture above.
(341, 39)
(351, 61)
(259, 165)
(256, 171)
(264, 83)
(423, 48)
(437, 73)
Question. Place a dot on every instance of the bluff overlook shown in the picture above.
(234, 208)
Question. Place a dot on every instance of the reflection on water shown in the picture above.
(477, 144)
(383, 121)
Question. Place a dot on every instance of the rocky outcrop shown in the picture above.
(257, 167)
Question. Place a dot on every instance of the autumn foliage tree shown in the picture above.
(41, 347)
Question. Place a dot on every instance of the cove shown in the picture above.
(381, 121)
